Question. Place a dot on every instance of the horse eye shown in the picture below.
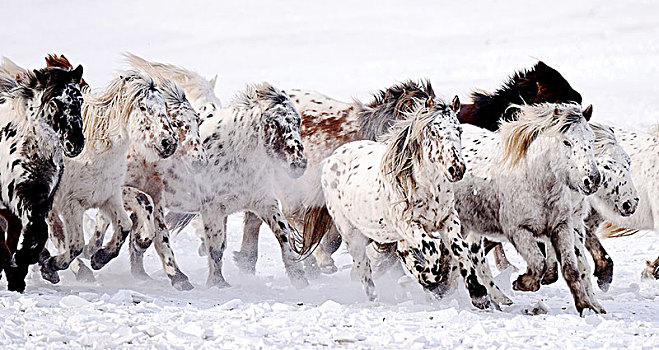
(567, 143)
(142, 108)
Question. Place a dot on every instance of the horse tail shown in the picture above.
(317, 222)
(611, 230)
(178, 221)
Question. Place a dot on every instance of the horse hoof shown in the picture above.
(201, 251)
(482, 302)
(521, 285)
(218, 283)
(49, 275)
(182, 285)
(245, 263)
(100, 259)
(328, 269)
(299, 282)
(603, 285)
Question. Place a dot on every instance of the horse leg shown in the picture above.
(122, 226)
(500, 259)
(603, 262)
(96, 240)
(246, 257)
(551, 274)
(35, 235)
(323, 253)
(582, 264)
(269, 212)
(71, 236)
(527, 246)
(215, 222)
(562, 240)
(467, 264)
(476, 246)
(382, 257)
(164, 249)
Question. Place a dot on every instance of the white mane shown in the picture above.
(106, 113)
(198, 89)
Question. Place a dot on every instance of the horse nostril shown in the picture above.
(451, 170)
(626, 206)
(586, 182)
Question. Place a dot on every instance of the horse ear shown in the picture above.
(42, 78)
(588, 112)
(77, 73)
(429, 102)
(213, 81)
(541, 65)
(556, 111)
(455, 104)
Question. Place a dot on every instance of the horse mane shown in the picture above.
(107, 112)
(392, 104)
(522, 87)
(172, 92)
(11, 69)
(195, 86)
(255, 94)
(403, 151)
(52, 60)
(529, 122)
(604, 136)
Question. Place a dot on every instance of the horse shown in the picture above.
(130, 111)
(148, 177)
(518, 188)
(326, 125)
(256, 135)
(399, 191)
(40, 124)
(538, 84)
(617, 193)
(643, 149)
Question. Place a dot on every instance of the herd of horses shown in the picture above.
(406, 181)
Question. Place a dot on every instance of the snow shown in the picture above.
(608, 52)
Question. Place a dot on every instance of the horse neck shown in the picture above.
(543, 166)
(33, 124)
(488, 109)
(242, 130)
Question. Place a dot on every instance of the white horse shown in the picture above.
(130, 111)
(147, 176)
(258, 133)
(519, 184)
(399, 191)
(40, 123)
(643, 150)
(617, 193)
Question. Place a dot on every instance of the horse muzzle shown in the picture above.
(297, 168)
(72, 149)
(168, 147)
(628, 207)
(456, 172)
(590, 184)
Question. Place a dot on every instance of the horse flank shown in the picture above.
(531, 120)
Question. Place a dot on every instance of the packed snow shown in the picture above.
(607, 51)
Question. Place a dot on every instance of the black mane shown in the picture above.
(392, 104)
(536, 85)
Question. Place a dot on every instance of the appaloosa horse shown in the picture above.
(40, 123)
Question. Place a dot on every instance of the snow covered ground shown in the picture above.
(608, 51)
